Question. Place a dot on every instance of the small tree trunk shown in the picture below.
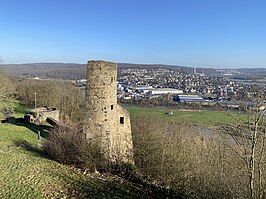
(251, 178)
(260, 182)
(252, 160)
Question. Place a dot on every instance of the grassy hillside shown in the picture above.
(19, 110)
(27, 173)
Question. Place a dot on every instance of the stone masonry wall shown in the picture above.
(43, 113)
(106, 122)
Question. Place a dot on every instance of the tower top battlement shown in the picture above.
(101, 65)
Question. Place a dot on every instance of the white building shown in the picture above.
(160, 91)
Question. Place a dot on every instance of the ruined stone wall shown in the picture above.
(43, 113)
(124, 143)
(52, 114)
(102, 118)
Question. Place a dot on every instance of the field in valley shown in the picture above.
(195, 117)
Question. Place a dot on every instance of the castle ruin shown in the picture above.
(106, 122)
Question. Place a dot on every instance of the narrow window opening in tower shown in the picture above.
(112, 79)
(112, 107)
(122, 120)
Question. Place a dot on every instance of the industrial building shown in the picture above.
(188, 98)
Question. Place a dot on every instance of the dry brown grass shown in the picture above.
(177, 156)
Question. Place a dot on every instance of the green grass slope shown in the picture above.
(16, 106)
(27, 173)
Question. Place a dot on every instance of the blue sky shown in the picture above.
(210, 33)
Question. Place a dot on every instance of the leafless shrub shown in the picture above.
(247, 140)
(7, 91)
(67, 144)
(178, 156)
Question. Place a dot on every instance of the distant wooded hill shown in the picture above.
(183, 69)
(64, 71)
(72, 71)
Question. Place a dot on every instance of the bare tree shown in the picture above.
(6, 91)
(62, 95)
(247, 140)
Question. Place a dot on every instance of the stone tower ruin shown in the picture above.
(106, 122)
